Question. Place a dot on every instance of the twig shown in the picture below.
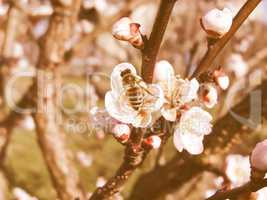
(133, 158)
(152, 46)
(233, 193)
(217, 47)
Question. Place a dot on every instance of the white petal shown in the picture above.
(192, 143)
(178, 141)
(169, 113)
(217, 21)
(116, 81)
(163, 71)
(155, 100)
(121, 29)
(223, 82)
(196, 121)
(114, 109)
(142, 120)
(189, 91)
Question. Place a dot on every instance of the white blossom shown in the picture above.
(191, 129)
(127, 30)
(177, 94)
(217, 22)
(237, 169)
(259, 156)
(177, 91)
(237, 65)
(117, 104)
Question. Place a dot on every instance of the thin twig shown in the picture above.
(216, 48)
(152, 46)
(233, 193)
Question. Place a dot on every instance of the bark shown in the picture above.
(45, 92)
(152, 46)
(181, 169)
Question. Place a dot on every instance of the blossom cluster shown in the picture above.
(177, 100)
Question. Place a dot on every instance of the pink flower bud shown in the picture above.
(121, 29)
(259, 156)
(121, 132)
(221, 79)
(217, 22)
(153, 141)
(208, 95)
(127, 30)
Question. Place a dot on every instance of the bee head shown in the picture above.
(127, 76)
(126, 71)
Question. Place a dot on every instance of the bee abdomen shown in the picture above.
(135, 97)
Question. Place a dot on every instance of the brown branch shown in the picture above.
(152, 46)
(134, 156)
(217, 47)
(233, 193)
(45, 97)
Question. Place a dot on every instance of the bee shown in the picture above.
(134, 89)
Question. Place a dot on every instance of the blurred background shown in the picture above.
(91, 54)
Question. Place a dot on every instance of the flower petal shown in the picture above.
(192, 143)
(155, 99)
(178, 141)
(169, 113)
(114, 109)
(189, 91)
(142, 120)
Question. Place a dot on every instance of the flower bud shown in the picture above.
(208, 95)
(153, 141)
(221, 79)
(217, 22)
(121, 132)
(126, 30)
(259, 156)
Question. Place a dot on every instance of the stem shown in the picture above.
(152, 46)
(216, 48)
(230, 194)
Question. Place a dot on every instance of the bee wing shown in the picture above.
(144, 86)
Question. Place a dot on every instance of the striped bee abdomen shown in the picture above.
(135, 96)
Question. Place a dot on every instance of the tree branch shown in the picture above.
(233, 193)
(152, 46)
(51, 139)
(217, 47)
